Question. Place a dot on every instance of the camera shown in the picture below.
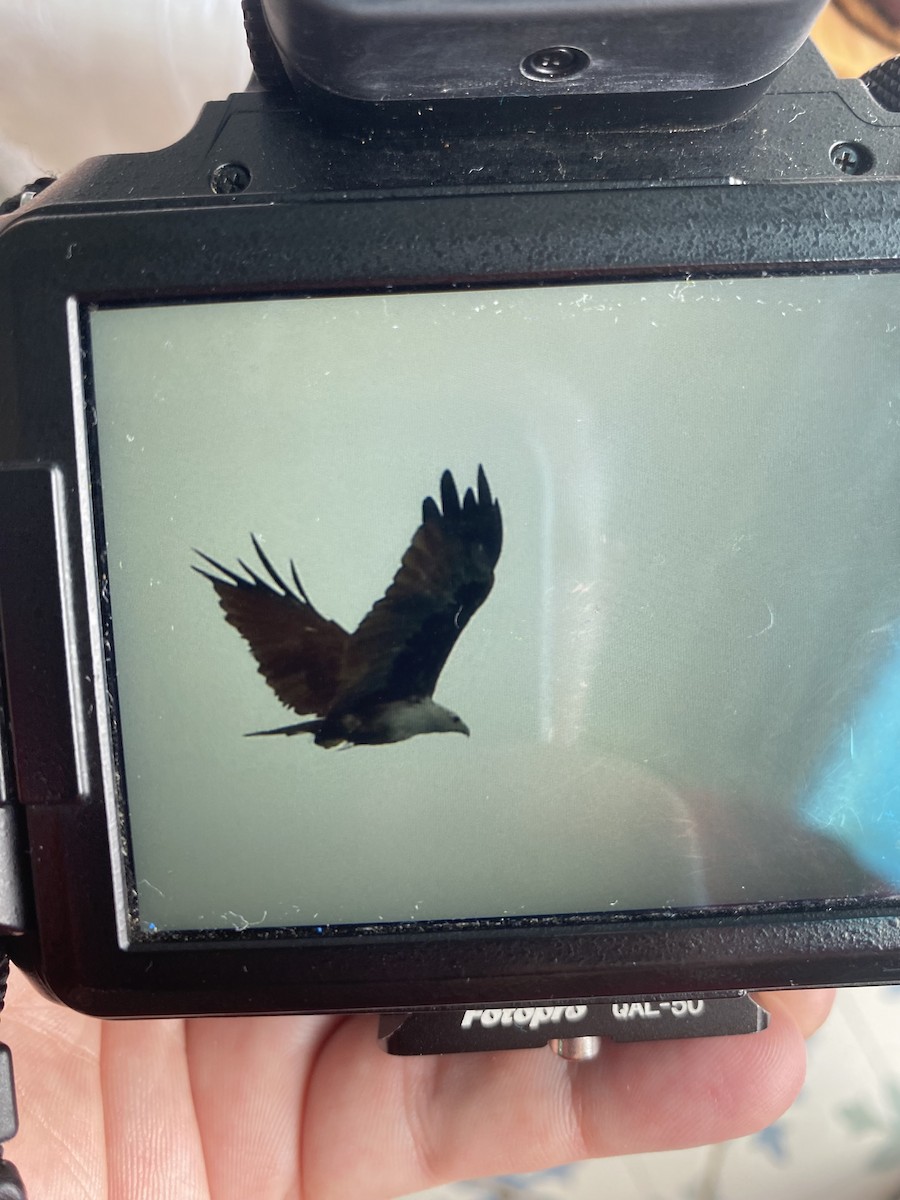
(450, 555)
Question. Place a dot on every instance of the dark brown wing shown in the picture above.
(400, 648)
(300, 653)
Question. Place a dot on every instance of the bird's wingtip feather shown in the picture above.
(300, 588)
(206, 574)
(484, 489)
(253, 575)
(449, 495)
(267, 563)
(230, 576)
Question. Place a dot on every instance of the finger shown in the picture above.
(152, 1144)
(409, 1124)
(248, 1082)
(60, 1146)
(808, 1009)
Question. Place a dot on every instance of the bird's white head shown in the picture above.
(447, 721)
(428, 717)
(404, 719)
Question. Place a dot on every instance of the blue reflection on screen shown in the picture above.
(856, 800)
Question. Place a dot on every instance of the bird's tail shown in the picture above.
(312, 727)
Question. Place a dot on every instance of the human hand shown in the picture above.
(310, 1108)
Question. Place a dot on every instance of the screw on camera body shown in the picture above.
(555, 62)
(852, 158)
(229, 178)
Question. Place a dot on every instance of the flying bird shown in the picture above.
(375, 685)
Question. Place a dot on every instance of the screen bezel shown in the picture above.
(55, 269)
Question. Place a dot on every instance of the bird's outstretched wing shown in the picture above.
(300, 653)
(400, 647)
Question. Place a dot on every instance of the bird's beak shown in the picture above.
(463, 728)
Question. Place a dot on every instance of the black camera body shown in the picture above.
(300, 230)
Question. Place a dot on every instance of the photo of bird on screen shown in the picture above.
(373, 686)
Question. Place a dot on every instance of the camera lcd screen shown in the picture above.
(683, 688)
